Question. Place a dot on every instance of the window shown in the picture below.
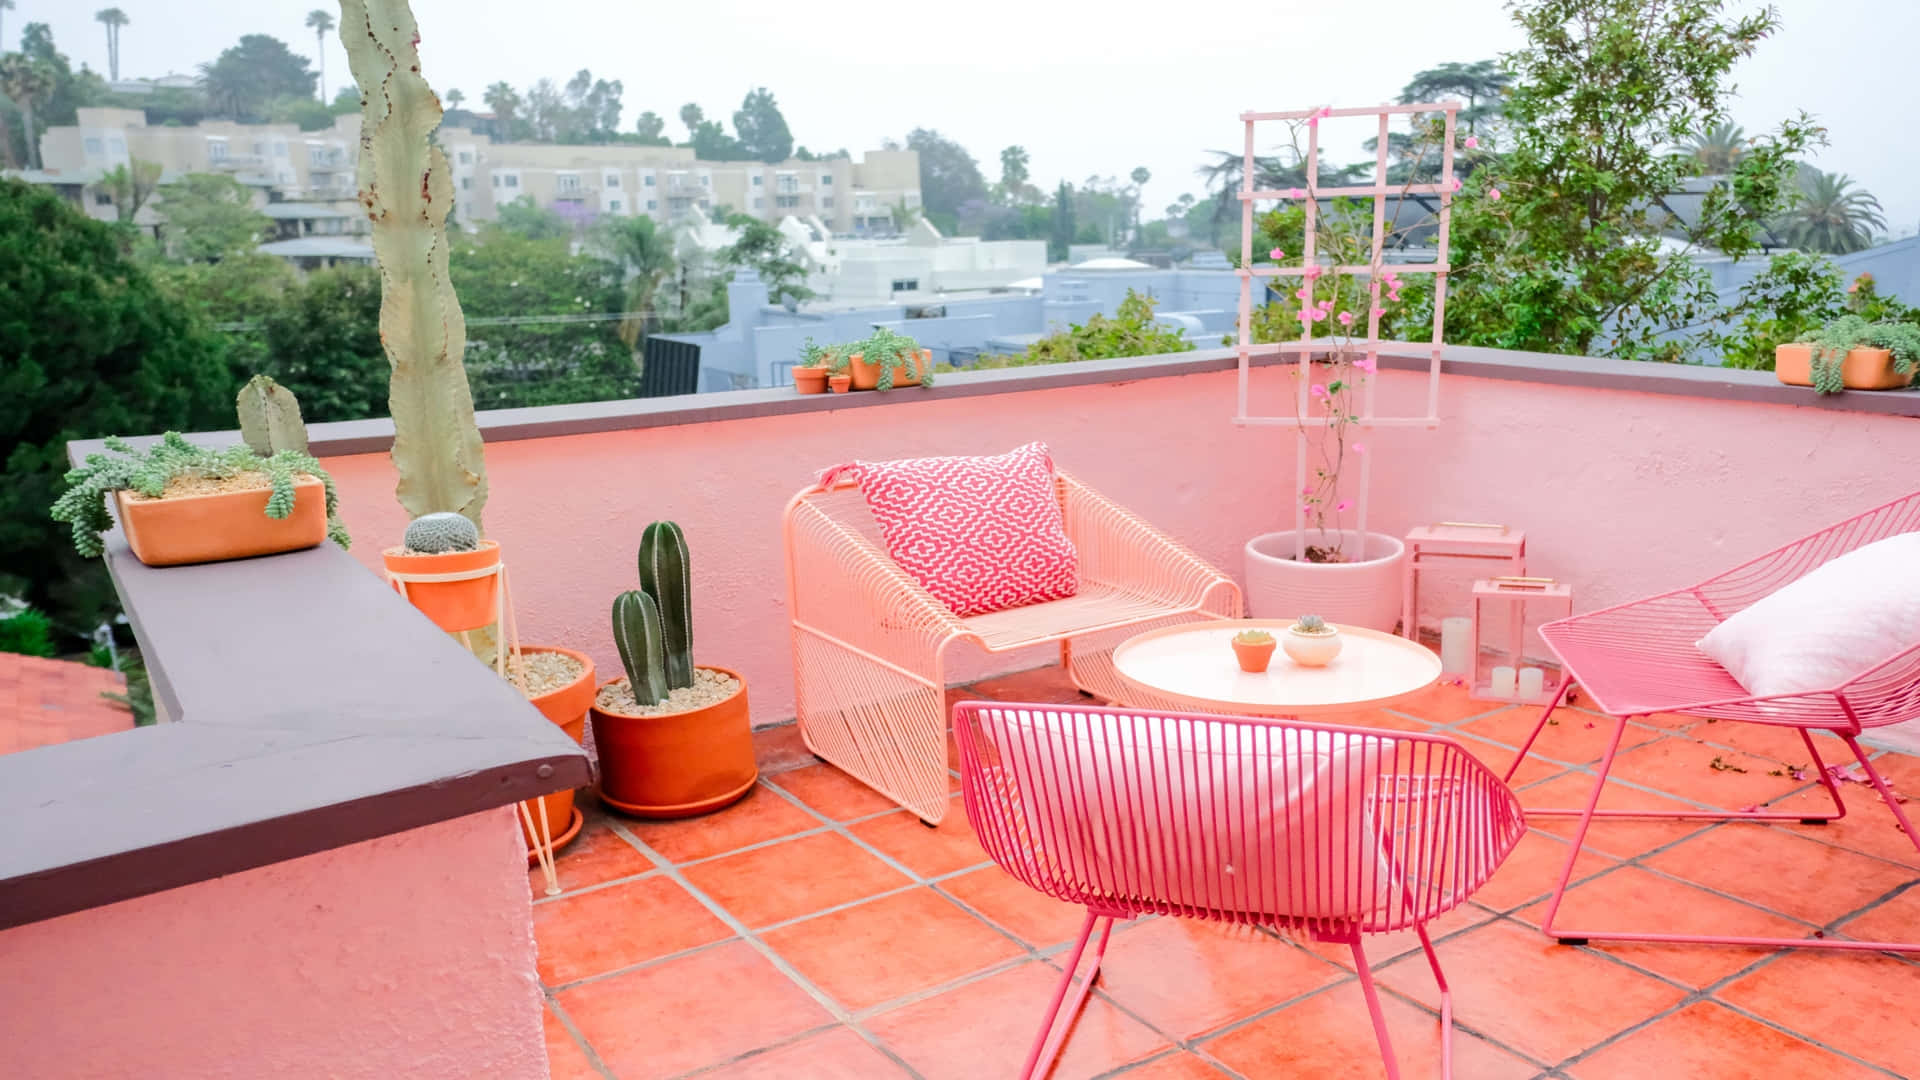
(649, 180)
(567, 182)
(758, 179)
(706, 181)
(612, 180)
(466, 157)
(906, 284)
(513, 180)
(653, 204)
(613, 205)
(279, 149)
(786, 202)
(116, 145)
(826, 202)
(787, 183)
(103, 198)
(259, 149)
(466, 183)
(759, 202)
(826, 179)
(316, 155)
(216, 149)
(496, 181)
(93, 146)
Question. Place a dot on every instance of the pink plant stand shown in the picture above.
(1521, 595)
(1477, 544)
(1193, 667)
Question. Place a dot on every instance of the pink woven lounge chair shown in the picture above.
(1639, 658)
(870, 644)
(1327, 832)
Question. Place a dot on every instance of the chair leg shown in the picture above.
(1446, 1003)
(1047, 1044)
(1886, 793)
(1373, 1007)
(1559, 696)
(1580, 832)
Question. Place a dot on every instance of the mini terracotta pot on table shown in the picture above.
(679, 765)
(454, 606)
(1254, 656)
(841, 383)
(224, 525)
(566, 706)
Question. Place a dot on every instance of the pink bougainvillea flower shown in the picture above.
(1494, 194)
(1367, 364)
(1325, 305)
(1295, 193)
(1317, 391)
(1379, 311)
(1313, 272)
(1319, 314)
(1303, 293)
(1359, 448)
(1472, 143)
(1343, 506)
(1346, 318)
(1276, 254)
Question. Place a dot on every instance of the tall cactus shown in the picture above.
(637, 634)
(270, 418)
(407, 192)
(665, 575)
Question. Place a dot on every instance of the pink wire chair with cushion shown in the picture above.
(1324, 831)
(1639, 658)
(870, 644)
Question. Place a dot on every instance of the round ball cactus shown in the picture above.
(439, 534)
(1311, 624)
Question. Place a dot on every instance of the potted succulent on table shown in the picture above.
(1851, 353)
(1254, 650)
(1312, 642)
(449, 573)
(675, 740)
(180, 503)
(886, 360)
(810, 374)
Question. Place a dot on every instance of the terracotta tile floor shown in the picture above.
(815, 932)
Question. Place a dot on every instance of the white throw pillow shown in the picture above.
(1816, 633)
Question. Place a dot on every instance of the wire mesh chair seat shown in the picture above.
(1640, 658)
(870, 645)
(1314, 830)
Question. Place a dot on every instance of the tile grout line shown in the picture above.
(573, 1031)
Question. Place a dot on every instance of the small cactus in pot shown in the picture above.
(446, 570)
(438, 534)
(1312, 641)
(1253, 649)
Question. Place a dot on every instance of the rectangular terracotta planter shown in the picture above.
(1862, 368)
(867, 376)
(227, 525)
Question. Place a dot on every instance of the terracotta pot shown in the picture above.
(810, 380)
(227, 525)
(1312, 650)
(452, 605)
(1860, 369)
(1365, 593)
(567, 707)
(1254, 657)
(680, 765)
(840, 383)
(867, 376)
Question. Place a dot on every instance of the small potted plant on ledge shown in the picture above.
(675, 740)
(180, 503)
(1254, 650)
(559, 682)
(447, 547)
(1851, 353)
(810, 374)
(1312, 642)
(886, 360)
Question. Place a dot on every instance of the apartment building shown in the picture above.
(669, 183)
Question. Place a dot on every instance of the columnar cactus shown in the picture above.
(665, 575)
(270, 418)
(642, 643)
(407, 191)
(438, 534)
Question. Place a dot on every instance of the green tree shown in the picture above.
(1014, 172)
(1715, 150)
(523, 217)
(130, 186)
(1060, 241)
(210, 217)
(1832, 215)
(710, 142)
(28, 83)
(1139, 176)
(651, 130)
(234, 295)
(113, 19)
(1794, 296)
(692, 115)
(254, 72)
(308, 114)
(506, 105)
(1480, 83)
(323, 343)
(644, 254)
(764, 248)
(763, 130)
(538, 332)
(1129, 331)
(92, 349)
(71, 89)
(455, 99)
(320, 21)
(949, 177)
(1570, 258)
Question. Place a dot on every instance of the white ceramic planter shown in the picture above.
(1312, 650)
(1355, 593)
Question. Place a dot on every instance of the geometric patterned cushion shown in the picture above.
(979, 533)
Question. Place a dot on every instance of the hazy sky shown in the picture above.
(1086, 88)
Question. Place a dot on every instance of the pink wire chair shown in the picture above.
(1639, 658)
(1323, 831)
(870, 644)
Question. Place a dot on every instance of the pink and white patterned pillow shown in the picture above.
(979, 533)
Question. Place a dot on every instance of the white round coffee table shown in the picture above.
(1193, 666)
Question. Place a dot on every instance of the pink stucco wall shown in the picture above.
(1619, 492)
(410, 955)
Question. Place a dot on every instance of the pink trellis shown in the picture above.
(1309, 271)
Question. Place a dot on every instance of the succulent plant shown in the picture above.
(1311, 624)
(270, 418)
(1831, 344)
(441, 534)
(642, 643)
(665, 575)
(1253, 637)
(893, 350)
(812, 354)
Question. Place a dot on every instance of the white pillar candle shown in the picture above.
(1502, 685)
(1456, 645)
(1533, 682)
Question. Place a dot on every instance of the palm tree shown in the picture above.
(321, 23)
(454, 98)
(644, 252)
(113, 19)
(27, 82)
(1717, 150)
(1832, 216)
(1139, 176)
